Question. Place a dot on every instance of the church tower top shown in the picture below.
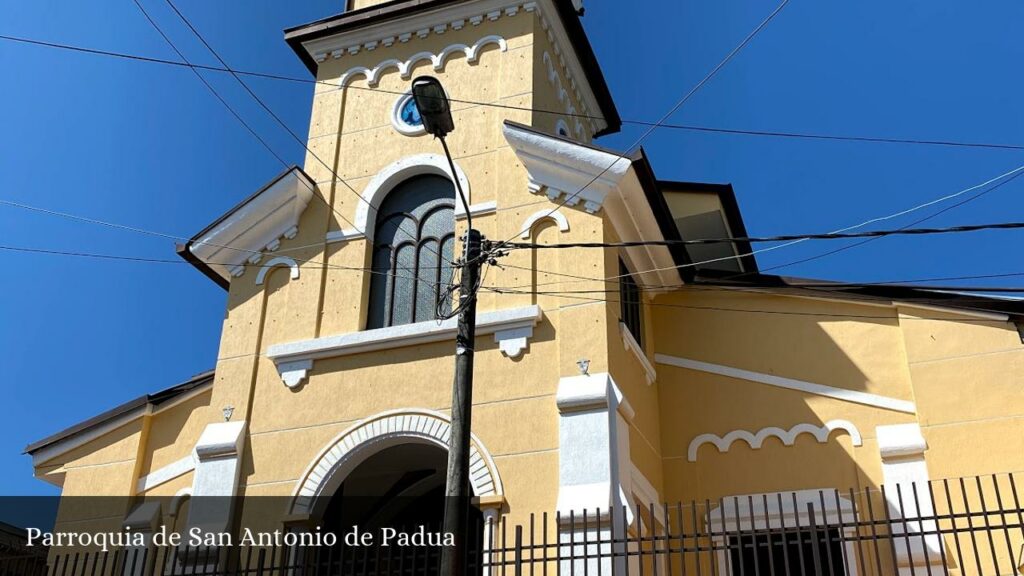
(370, 25)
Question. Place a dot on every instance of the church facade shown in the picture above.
(605, 379)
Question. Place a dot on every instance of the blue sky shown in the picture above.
(146, 145)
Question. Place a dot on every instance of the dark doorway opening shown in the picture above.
(396, 497)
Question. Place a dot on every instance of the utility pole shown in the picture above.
(435, 111)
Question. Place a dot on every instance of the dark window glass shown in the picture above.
(414, 222)
(630, 304)
(785, 552)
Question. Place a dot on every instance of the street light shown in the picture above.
(432, 102)
(435, 111)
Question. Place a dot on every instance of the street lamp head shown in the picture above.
(432, 103)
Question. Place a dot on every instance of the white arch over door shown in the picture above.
(352, 447)
(394, 174)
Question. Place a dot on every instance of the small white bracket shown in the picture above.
(293, 373)
(513, 342)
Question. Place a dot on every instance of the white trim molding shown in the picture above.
(630, 344)
(834, 392)
(788, 437)
(479, 209)
(166, 474)
(557, 168)
(274, 263)
(596, 180)
(438, 61)
(384, 181)
(256, 226)
(420, 26)
(295, 359)
(355, 444)
(555, 216)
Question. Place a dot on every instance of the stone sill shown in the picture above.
(511, 329)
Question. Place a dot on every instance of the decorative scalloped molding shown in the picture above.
(556, 82)
(788, 437)
(554, 215)
(275, 263)
(347, 449)
(456, 18)
(438, 60)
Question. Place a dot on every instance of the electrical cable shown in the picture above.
(685, 127)
(914, 223)
(269, 111)
(679, 104)
(780, 238)
(179, 261)
(737, 310)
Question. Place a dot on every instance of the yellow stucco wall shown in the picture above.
(961, 373)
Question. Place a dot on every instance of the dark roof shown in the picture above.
(730, 207)
(871, 292)
(184, 250)
(156, 399)
(350, 20)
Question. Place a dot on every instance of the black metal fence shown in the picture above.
(964, 526)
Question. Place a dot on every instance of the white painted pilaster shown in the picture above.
(594, 467)
(905, 472)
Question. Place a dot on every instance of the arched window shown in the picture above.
(414, 239)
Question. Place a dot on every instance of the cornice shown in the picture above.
(414, 27)
(255, 226)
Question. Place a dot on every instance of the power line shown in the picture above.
(733, 310)
(1006, 177)
(1016, 174)
(685, 127)
(252, 131)
(780, 238)
(492, 289)
(679, 104)
(179, 261)
(281, 122)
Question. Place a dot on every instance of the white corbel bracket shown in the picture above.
(513, 342)
(293, 373)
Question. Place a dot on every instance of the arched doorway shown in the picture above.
(388, 473)
(400, 486)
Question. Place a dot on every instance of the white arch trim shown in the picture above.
(788, 437)
(279, 261)
(556, 215)
(373, 75)
(350, 448)
(394, 174)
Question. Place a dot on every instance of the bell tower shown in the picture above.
(527, 62)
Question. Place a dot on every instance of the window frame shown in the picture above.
(631, 304)
(395, 267)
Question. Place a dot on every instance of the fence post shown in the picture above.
(815, 552)
(260, 560)
(519, 551)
